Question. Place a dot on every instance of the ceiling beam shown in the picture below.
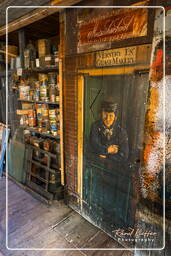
(36, 15)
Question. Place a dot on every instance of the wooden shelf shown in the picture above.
(38, 70)
(41, 133)
(42, 70)
(38, 177)
(35, 188)
(3, 73)
(43, 151)
(39, 102)
(53, 171)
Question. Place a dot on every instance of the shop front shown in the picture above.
(107, 70)
(82, 114)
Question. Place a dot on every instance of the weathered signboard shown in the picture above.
(114, 25)
(122, 56)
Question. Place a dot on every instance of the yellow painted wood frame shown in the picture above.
(93, 72)
(61, 121)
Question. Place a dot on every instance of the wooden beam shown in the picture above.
(36, 15)
(22, 44)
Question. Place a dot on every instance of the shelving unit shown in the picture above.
(38, 70)
(41, 133)
(39, 102)
(47, 181)
(40, 168)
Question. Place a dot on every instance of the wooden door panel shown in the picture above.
(107, 187)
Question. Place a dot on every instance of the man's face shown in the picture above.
(108, 118)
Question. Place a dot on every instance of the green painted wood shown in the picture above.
(107, 185)
(16, 158)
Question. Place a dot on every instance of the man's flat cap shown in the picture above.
(109, 106)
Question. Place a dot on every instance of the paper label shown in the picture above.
(19, 71)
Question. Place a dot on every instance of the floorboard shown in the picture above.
(33, 224)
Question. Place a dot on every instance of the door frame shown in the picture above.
(125, 70)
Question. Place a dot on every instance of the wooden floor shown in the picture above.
(33, 224)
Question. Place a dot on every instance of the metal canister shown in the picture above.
(36, 95)
(45, 117)
(52, 114)
(44, 92)
(32, 118)
(53, 121)
(54, 128)
(31, 94)
(24, 92)
(39, 111)
(45, 110)
(45, 124)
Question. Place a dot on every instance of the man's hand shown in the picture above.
(112, 149)
(102, 156)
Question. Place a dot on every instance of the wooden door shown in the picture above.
(107, 188)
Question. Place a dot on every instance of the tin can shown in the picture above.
(53, 127)
(43, 92)
(39, 111)
(24, 92)
(45, 110)
(31, 93)
(39, 123)
(52, 114)
(45, 123)
(46, 99)
(32, 118)
(36, 94)
(31, 113)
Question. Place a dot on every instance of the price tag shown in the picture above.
(19, 71)
(47, 58)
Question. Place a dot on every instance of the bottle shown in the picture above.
(32, 54)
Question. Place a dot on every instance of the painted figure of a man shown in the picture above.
(107, 139)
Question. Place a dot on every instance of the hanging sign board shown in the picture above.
(121, 56)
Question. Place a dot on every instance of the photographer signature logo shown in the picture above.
(132, 234)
